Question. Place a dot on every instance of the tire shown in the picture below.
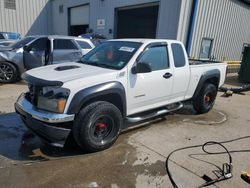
(8, 73)
(205, 100)
(97, 126)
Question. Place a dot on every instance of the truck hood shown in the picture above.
(66, 72)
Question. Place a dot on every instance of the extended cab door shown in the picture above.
(150, 90)
(65, 50)
(37, 53)
(181, 72)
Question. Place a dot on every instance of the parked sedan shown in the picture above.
(37, 51)
(8, 38)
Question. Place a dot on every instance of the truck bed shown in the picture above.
(198, 68)
(199, 62)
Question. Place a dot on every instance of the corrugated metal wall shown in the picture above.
(184, 20)
(31, 17)
(225, 21)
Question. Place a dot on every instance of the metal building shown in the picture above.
(26, 17)
(215, 29)
(210, 29)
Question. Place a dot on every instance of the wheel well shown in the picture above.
(112, 98)
(214, 81)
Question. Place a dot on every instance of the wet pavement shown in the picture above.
(138, 157)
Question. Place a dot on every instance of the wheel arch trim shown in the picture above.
(215, 73)
(87, 94)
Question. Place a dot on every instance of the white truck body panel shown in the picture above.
(143, 91)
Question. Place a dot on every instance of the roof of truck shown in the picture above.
(144, 40)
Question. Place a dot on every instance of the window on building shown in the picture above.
(156, 57)
(64, 44)
(83, 45)
(206, 48)
(178, 53)
(10, 4)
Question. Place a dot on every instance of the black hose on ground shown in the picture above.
(241, 89)
(222, 170)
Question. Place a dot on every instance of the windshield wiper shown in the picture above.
(103, 65)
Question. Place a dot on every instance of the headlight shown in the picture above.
(53, 99)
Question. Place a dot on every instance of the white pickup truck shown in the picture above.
(119, 83)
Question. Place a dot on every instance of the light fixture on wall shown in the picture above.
(60, 9)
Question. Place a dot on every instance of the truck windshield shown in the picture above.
(111, 54)
(22, 43)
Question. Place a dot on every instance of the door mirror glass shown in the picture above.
(141, 67)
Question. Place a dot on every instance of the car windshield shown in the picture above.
(22, 42)
(111, 54)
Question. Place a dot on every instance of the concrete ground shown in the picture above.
(138, 157)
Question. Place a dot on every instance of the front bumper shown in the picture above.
(48, 126)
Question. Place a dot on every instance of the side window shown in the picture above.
(64, 44)
(39, 44)
(178, 53)
(156, 57)
(83, 44)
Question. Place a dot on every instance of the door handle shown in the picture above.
(167, 75)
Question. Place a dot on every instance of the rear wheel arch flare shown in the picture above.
(211, 76)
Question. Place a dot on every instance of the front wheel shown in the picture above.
(205, 100)
(97, 126)
(8, 73)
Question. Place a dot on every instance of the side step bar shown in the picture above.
(168, 109)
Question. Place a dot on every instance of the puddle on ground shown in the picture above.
(188, 114)
(19, 144)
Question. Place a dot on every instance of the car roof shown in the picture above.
(55, 36)
(8, 32)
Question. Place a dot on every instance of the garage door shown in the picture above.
(137, 22)
(79, 20)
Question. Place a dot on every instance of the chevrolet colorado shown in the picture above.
(117, 84)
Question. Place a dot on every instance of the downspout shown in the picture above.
(191, 26)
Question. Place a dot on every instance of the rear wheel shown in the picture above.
(8, 73)
(205, 100)
(97, 126)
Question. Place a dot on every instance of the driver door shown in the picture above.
(153, 89)
(37, 53)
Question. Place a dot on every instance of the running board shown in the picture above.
(177, 106)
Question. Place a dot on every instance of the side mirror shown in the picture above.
(141, 68)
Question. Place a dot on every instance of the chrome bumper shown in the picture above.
(23, 105)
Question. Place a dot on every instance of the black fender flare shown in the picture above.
(215, 73)
(85, 95)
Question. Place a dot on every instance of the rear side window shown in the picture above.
(83, 44)
(178, 53)
(1, 36)
(64, 44)
(156, 57)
